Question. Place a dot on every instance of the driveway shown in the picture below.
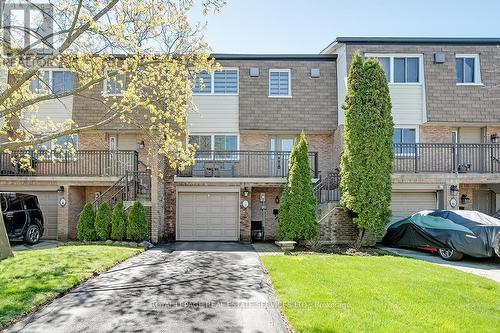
(486, 267)
(182, 287)
(42, 245)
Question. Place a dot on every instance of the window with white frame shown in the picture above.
(216, 142)
(64, 142)
(53, 81)
(113, 86)
(402, 139)
(400, 69)
(280, 83)
(218, 82)
(467, 69)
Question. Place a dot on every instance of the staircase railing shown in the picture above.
(134, 185)
(327, 189)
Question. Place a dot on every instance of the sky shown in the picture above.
(294, 26)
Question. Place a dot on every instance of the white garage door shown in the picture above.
(404, 204)
(208, 216)
(48, 204)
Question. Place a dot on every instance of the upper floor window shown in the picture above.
(467, 68)
(114, 85)
(53, 81)
(219, 82)
(400, 69)
(280, 83)
(66, 141)
(218, 142)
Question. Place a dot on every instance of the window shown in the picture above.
(30, 202)
(219, 82)
(467, 68)
(400, 69)
(204, 87)
(53, 81)
(386, 64)
(114, 86)
(15, 205)
(208, 143)
(279, 83)
(406, 70)
(402, 139)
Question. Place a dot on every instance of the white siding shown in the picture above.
(407, 103)
(216, 113)
(58, 110)
(341, 81)
(3, 84)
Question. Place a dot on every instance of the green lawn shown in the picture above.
(30, 278)
(338, 293)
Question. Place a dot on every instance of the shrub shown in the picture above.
(137, 225)
(119, 223)
(103, 222)
(366, 163)
(85, 230)
(297, 213)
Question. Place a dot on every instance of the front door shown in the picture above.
(281, 146)
(482, 201)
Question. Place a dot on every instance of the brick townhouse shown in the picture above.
(446, 107)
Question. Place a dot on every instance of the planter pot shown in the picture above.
(286, 246)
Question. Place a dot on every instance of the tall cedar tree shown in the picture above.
(366, 163)
(137, 224)
(119, 222)
(297, 213)
(103, 222)
(85, 230)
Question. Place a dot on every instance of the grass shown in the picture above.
(337, 293)
(32, 278)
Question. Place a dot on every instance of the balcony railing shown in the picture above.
(446, 157)
(249, 164)
(84, 163)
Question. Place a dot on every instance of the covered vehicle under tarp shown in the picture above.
(470, 232)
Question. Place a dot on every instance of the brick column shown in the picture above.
(245, 216)
(63, 215)
(157, 200)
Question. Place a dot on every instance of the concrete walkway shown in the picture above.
(487, 267)
(42, 245)
(182, 287)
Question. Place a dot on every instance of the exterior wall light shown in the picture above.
(494, 138)
(141, 144)
(246, 191)
(464, 199)
(454, 190)
(60, 190)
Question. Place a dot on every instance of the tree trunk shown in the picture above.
(361, 235)
(5, 250)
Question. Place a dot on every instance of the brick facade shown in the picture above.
(266, 215)
(337, 228)
(447, 101)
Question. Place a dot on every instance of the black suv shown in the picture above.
(22, 216)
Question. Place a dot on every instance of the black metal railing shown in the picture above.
(79, 163)
(327, 188)
(134, 185)
(230, 164)
(447, 157)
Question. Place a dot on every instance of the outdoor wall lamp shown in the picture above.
(454, 190)
(141, 144)
(246, 191)
(60, 189)
(494, 138)
(277, 199)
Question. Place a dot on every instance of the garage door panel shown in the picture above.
(208, 216)
(404, 204)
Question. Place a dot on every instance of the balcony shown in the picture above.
(446, 158)
(244, 164)
(83, 163)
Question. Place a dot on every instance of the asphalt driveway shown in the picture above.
(182, 287)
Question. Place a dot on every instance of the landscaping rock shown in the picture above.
(124, 243)
(109, 242)
(146, 245)
(132, 244)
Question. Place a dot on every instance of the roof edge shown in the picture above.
(291, 57)
(420, 40)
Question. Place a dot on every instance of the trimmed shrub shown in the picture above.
(366, 163)
(119, 223)
(137, 224)
(297, 213)
(85, 230)
(103, 222)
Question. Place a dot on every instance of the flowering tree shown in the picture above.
(160, 53)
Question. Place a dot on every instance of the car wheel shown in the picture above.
(32, 235)
(451, 255)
